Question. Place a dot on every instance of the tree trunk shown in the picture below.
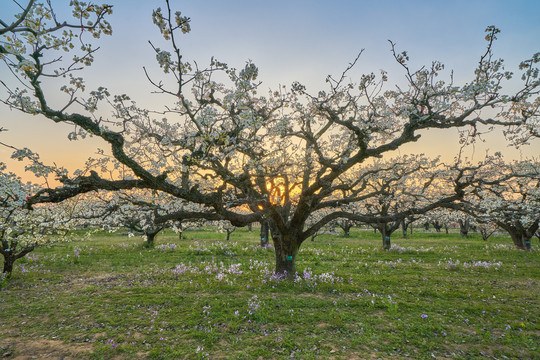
(10, 256)
(149, 243)
(516, 238)
(150, 237)
(180, 228)
(286, 248)
(523, 242)
(385, 237)
(250, 227)
(8, 264)
(404, 228)
(386, 243)
(520, 235)
(346, 229)
(264, 233)
(485, 233)
(229, 232)
(464, 228)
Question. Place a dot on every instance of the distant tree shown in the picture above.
(282, 156)
(487, 229)
(133, 210)
(400, 185)
(508, 197)
(225, 227)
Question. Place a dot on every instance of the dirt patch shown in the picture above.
(322, 325)
(487, 352)
(21, 349)
(100, 280)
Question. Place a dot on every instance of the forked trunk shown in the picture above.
(485, 234)
(10, 256)
(150, 237)
(229, 232)
(346, 229)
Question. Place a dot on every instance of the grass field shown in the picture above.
(431, 296)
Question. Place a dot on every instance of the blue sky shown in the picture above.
(306, 40)
(291, 40)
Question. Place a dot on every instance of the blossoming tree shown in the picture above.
(21, 229)
(509, 197)
(281, 156)
(399, 185)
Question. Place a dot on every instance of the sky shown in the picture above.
(291, 40)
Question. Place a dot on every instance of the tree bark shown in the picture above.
(516, 239)
(521, 240)
(150, 237)
(10, 256)
(404, 228)
(286, 248)
(8, 264)
(486, 234)
(385, 233)
(386, 243)
(520, 235)
(464, 228)
(180, 228)
(265, 233)
(346, 230)
(229, 232)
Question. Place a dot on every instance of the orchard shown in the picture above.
(224, 153)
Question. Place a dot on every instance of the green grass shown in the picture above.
(205, 298)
